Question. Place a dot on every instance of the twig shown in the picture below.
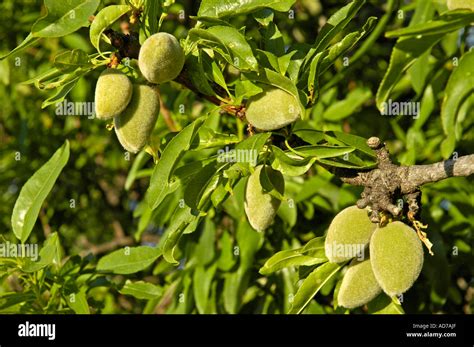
(167, 115)
(120, 240)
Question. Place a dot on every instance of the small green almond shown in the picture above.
(113, 93)
(348, 234)
(135, 125)
(396, 254)
(358, 286)
(272, 109)
(261, 207)
(161, 58)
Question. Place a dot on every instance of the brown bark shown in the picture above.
(389, 182)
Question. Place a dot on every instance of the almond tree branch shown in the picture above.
(387, 183)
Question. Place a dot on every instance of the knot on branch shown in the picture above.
(395, 189)
(383, 187)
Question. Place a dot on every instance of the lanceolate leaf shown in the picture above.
(71, 60)
(64, 17)
(335, 24)
(27, 42)
(35, 191)
(460, 86)
(224, 8)
(231, 42)
(404, 54)
(288, 165)
(78, 301)
(184, 220)
(142, 290)
(414, 41)
(129, 260)
(49, 254)
(312, 284)
(160, 179)
(445, 24)
(310, 254)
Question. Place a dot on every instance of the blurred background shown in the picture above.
(96, 201)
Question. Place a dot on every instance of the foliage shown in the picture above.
(121, 234)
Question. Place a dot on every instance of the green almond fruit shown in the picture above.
(161, 58)
(461, 4)
(358, 286)
(396, 254)
(272, 109)
(348, 234)
(113, 93)
(135, 125)
(261, 207)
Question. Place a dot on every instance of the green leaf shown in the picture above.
(310, 254)
(320, 152)
(208, 138)
(344, 108)
(460, 86)
(202, 280)
(445, 24)
(203, 181)
(225, 8)
(237, 44)
(313, 78)
(138, 163)
(254, 142)
(129, 260)
(310, 135)
(64, 17)
(71, 60)
(206, 247)
(404, 54)
(289, 258)
(78, 302)
(382, 304)
(335, 24)
(184, 221)
(230, 41)
(160, 179)
(249, 243)
(195, 69)
(235, 284)
(312, 284)
(141, 290)
(348, 42)
(289, 164)
(288, 212)
(227, 258)
(49, 254)
(30, 40)
(106, 17)
(416, 40)
(35, 191)
(60, 94)
(355, 141)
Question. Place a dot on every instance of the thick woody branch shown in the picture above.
(388, 183)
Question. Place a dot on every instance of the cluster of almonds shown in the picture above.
(135, 107)
(392, 260)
